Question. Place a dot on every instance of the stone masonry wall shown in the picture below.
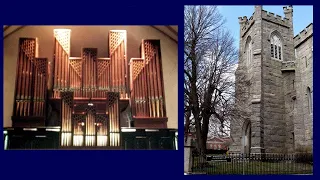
(304, 61)
(274, 91)
(276, 88)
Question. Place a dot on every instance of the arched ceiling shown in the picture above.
(170, 31)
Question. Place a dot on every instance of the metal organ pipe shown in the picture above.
(154, 77)
(18, 81)
(23, 84)
(66, 59)
(26, 86)
(40, 98)
(55, 68)
(159, 84)
(116, 85)
(36, 91)
(25, 79)
(145, 90)
(94, 79)
(62, 70)
(123, 67)
(59, 68)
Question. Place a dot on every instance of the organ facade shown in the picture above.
(89, 93)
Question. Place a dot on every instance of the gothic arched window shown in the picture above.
(309, 94)
(276, 47)
(249, 52)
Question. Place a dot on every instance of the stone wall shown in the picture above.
(304, 60)
(277, 100)
(276, 86)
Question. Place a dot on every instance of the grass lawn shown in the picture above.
(253, 167)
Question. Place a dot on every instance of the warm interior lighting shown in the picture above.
(90, 104)
(102, 140)
(55, 130)
(152, 130)
(176, 140)
(63, 37)
(82, 124)
(128, 130)
(37, 48)
(41, 136)
(30, 129)
(90, 140)
(6, 142)
(140, 137)
(77, 140)
(66, 139)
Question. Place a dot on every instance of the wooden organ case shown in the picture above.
(30, 87)
(96, 91)
(89, 93)
(147, 90)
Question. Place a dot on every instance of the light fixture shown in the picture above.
(30, 129)
(41, 136)
(82, 124)
(152, 130)
(128, 130)
(90, 103)
(55, 130)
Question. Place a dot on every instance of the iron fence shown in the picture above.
(253, 164)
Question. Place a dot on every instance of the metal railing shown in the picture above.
(251, 164)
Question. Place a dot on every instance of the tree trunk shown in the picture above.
(205, 129)
(187, 125)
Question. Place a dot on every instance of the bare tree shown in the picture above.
(209, 58)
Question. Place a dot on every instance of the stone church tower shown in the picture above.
(273, 85)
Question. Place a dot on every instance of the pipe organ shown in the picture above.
(119, 64)
(114, 116)
(66, 114)
(90, 127)
(147, 92)
(31, 79)
(61, 61)
(90, 92)
(78, 129)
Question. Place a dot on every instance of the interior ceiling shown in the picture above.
(170, 31)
